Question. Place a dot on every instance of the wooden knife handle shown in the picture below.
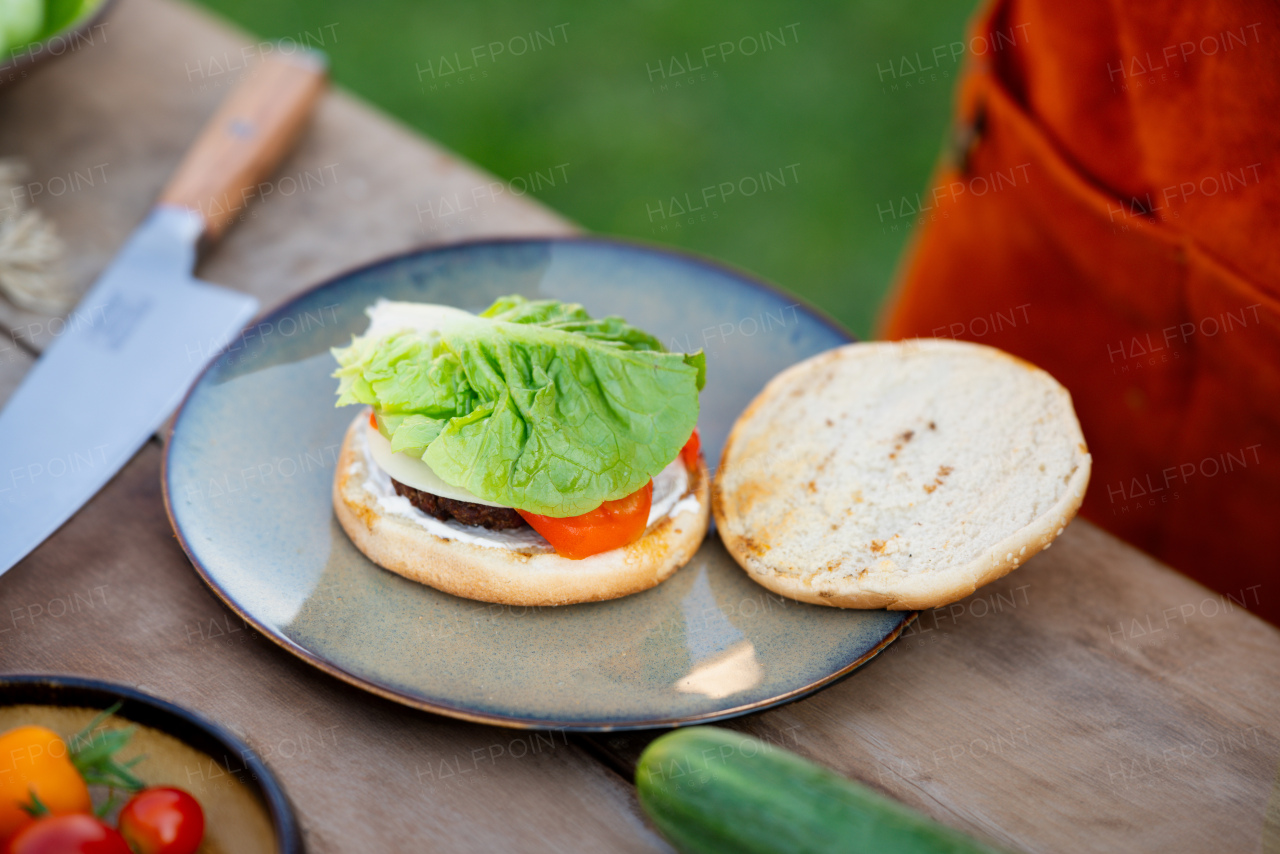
(246, 139)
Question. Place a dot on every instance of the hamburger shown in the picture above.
(526, 455)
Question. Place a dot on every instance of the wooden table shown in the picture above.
(1094, 700)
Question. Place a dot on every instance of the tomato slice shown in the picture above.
(689, 453)
(612, 525)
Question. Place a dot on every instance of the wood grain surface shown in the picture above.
(245, 140)
(1093, 700)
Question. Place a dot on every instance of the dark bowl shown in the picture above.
(14, 67)
(184, 725)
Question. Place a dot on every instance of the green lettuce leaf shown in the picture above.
(531, 404)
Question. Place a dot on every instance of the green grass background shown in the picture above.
(823, 101)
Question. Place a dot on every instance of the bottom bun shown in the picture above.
(502, 575)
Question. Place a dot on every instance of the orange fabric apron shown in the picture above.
(1111, 212)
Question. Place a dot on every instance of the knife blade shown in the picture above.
(147, 327)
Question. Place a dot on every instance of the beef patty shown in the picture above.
(466, 512)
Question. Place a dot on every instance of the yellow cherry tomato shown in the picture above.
(36, 759)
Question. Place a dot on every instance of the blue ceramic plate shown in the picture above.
(250, 465)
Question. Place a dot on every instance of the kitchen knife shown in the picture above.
(147, 327)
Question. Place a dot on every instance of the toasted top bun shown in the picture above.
(535, 576)
(899, 475)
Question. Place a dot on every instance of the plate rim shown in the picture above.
(512, 722)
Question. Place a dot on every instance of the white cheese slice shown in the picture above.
(378, 483)
(387, 316)
(412, 471)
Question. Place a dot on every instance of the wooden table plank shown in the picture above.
(113, 596)
(1094, 700)
(14, 364)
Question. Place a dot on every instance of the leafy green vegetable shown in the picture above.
(60, 14)
(21, 21)
(93, 752)
(27, 22)
(534, 405)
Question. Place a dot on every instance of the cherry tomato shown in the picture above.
(162, 820)
(36, 759)
(689, 453)
(67, 834)
(612, 525)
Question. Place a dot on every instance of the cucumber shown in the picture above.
(714, 790)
